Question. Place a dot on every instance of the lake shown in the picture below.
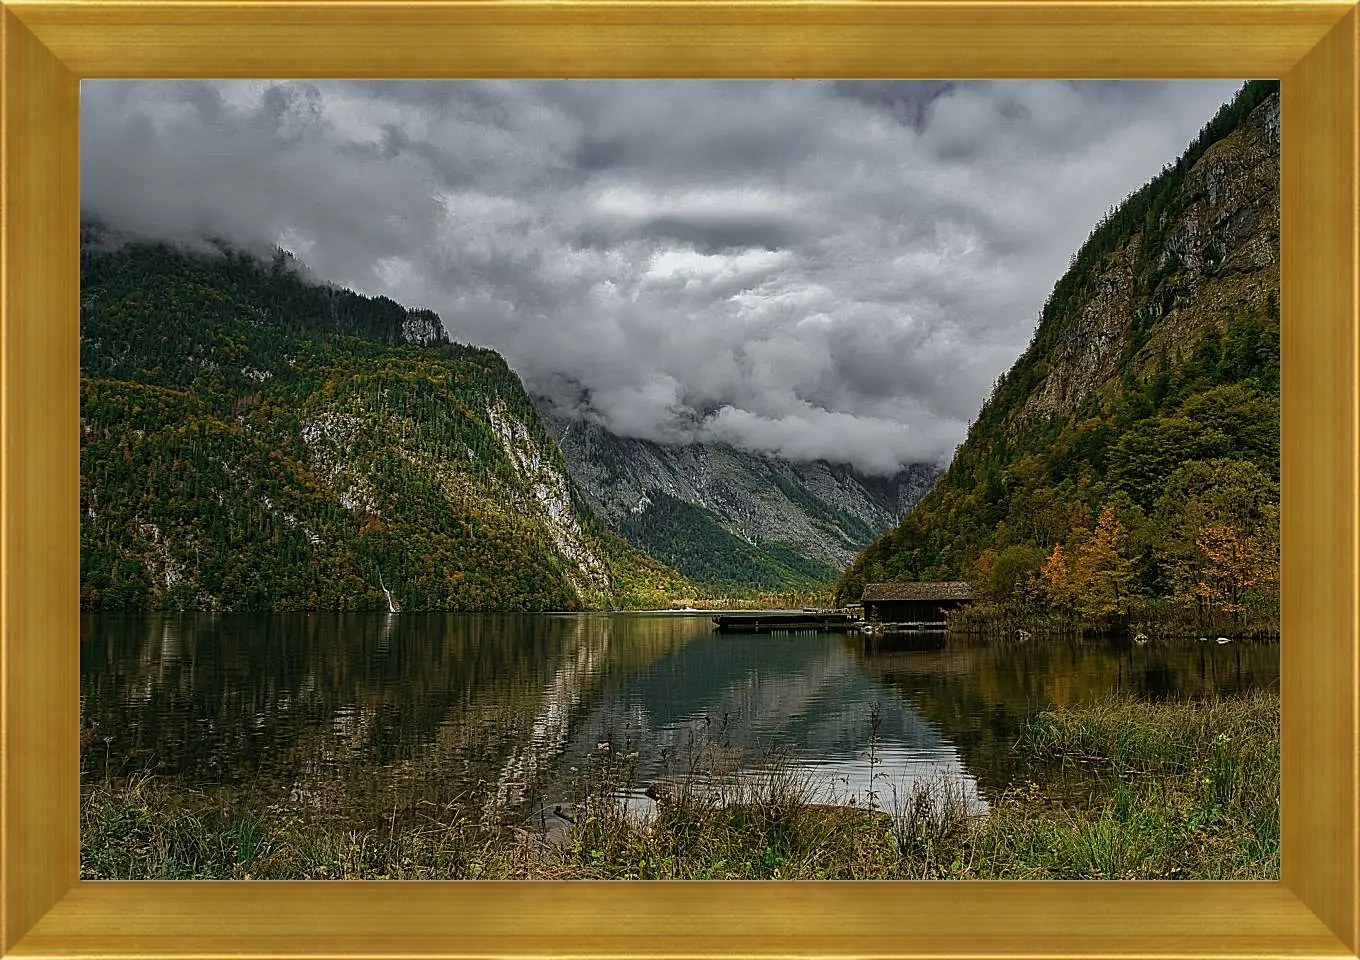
(346, 712)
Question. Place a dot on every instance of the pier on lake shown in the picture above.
(782, 621)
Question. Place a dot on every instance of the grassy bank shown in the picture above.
(1151, 620)
(1121, 789)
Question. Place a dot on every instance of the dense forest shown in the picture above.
(252, 440)
(1129, 460)
(690, 539)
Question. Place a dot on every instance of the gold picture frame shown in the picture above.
(49, 45)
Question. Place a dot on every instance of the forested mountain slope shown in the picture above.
(1131, 454)
(254, 441)
(731, 517)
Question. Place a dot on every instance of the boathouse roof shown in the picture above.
(945, 590)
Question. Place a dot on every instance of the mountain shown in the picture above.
(1132, 452)
(729, 517)
(255, 441)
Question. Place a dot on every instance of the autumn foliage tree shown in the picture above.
(1233, 564)
(1055, 579)
(1102, 578)
(1221, 523)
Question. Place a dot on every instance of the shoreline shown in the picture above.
(1117, 789)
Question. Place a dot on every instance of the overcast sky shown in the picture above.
(814, 270)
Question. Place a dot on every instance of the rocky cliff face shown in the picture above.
(549, 501)
(423, 327)
(1219, 253)
(824, 512)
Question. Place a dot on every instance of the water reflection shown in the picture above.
(336, 709)
(798, 701)
(979, 693)
(550, 729)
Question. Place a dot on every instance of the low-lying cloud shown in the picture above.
(815, 270)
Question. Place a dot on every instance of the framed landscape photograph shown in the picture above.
(422, 478)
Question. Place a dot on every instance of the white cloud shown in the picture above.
(823, 270)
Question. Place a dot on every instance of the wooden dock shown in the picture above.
(785, 621)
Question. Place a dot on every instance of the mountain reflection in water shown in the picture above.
(329, 709)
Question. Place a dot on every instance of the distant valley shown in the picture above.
(725, 516)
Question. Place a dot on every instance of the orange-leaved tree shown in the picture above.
(1055, 580)
(1102, 577)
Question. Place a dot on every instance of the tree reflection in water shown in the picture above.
(351, 710)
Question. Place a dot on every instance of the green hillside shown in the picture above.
(1130, 458)
(694, 542)
(255, 441)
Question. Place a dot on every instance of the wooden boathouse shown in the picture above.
(914, 605)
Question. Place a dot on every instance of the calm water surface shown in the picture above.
(337, 710)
